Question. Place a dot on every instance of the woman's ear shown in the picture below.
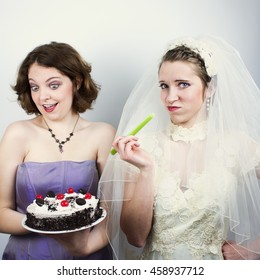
(210, 89)
(78, 83)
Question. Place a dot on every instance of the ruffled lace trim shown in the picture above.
(179, 133)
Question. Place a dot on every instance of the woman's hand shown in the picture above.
(233, 251)
(129, 150)
(75, 242)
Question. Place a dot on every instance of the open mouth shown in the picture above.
(49, 107)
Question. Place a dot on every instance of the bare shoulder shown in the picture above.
(102, 129)
(16, 140)
(19, 130)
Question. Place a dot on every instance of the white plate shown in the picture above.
(64, 231)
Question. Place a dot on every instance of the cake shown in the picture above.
(63, 212)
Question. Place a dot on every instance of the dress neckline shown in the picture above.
(56, 162)
(187, 135)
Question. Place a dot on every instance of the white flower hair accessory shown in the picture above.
(201, 48)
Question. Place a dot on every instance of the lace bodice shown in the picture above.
(191, 198)
(184, 220)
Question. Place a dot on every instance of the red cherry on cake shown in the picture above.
(64, 203)
(70, 190)
(39, 196)
(60, 196)
(88, 195)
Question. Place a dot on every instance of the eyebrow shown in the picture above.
(176, 81)
(31, 79)
(181, 80)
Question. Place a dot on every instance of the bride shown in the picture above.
(187, 186)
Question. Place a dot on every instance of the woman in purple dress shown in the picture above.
(53, 151)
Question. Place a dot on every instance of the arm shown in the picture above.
(137, 210)
(12, 152)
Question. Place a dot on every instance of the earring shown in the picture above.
(207, 104)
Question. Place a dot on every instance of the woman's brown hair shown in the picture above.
(183, 53)
(68, 61)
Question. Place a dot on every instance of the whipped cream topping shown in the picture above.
(52, 206)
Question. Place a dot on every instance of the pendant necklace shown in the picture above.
(59, 142)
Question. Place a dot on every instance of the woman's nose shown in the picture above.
(173, 95)
(44, 95)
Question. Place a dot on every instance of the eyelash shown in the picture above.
(163, 86)
(56, 85)
(53, 86)
(180, 84)
(183, 84)
(34, 88)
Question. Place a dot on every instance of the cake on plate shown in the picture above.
(63, 212)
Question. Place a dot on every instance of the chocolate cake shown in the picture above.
(63, 212)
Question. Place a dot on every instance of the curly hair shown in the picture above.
(66, 60)
(183, 53)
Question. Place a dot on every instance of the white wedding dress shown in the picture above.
(191, 198)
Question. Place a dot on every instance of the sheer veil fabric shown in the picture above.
(211, 169)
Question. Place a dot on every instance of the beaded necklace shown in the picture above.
(59, 142)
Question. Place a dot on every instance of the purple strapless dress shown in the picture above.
(38, 178)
